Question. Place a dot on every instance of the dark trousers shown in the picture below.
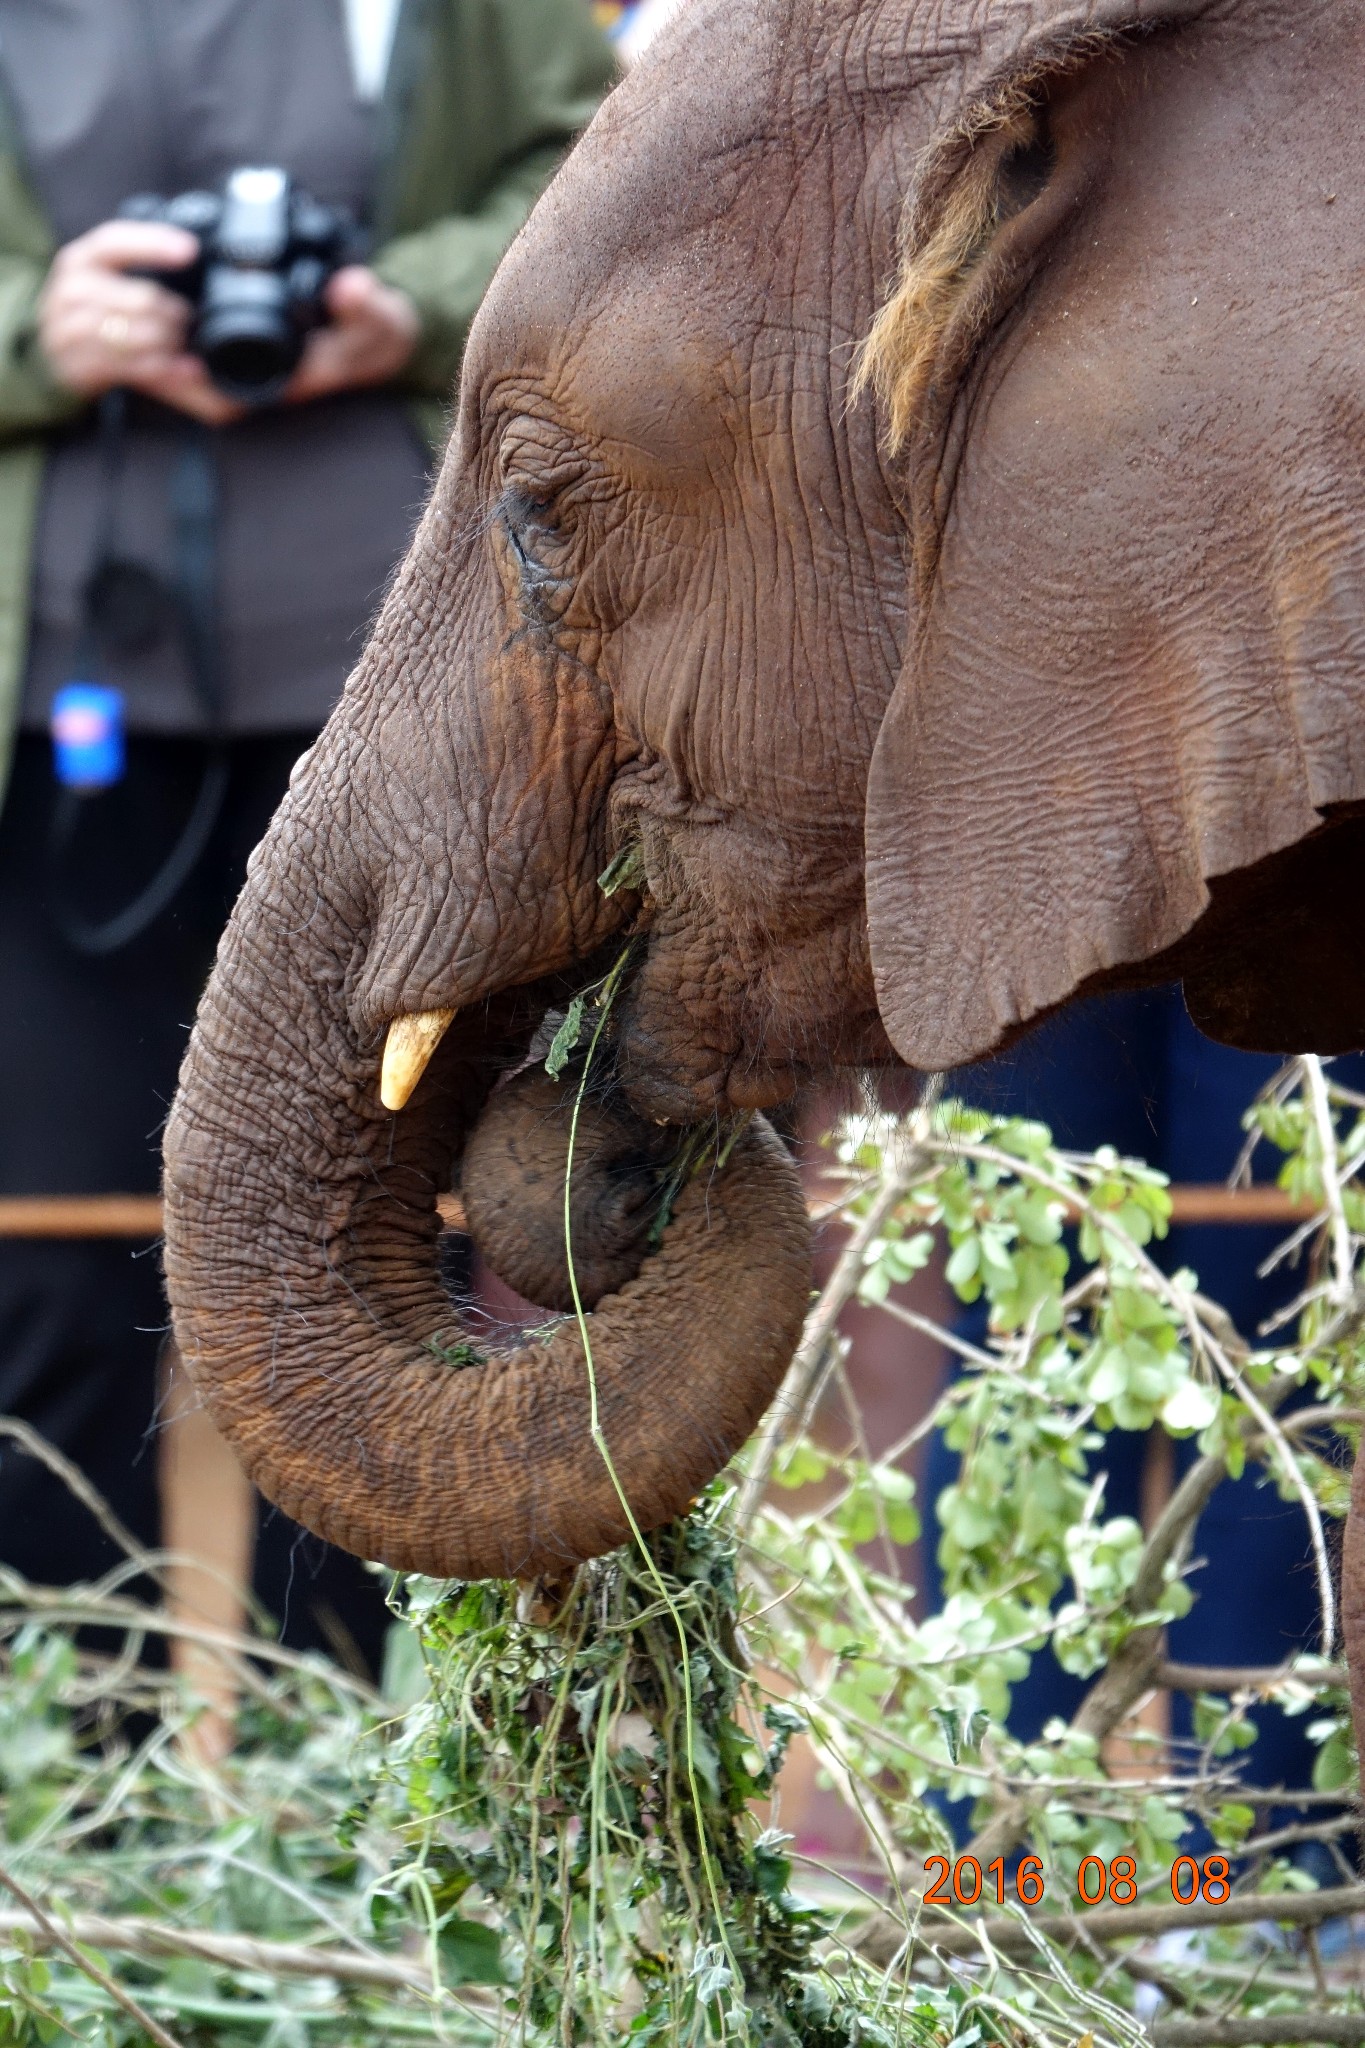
(89, 1051)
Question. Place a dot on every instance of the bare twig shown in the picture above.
(1200, 1973)
(1174, 1526)
(1225, 2030)
(1260, 1846)
(1287, 1246)
(946, 1338)
(87, 1966)
(1285, 1459)
(905, 1159)
(1319, 1417)
(78, 1608)
(1288, 1795)
(1261, 1679)
(1277, 1089)
(75, 1481)
(1343, 1264)
(1344, 1323)
(135, 1936)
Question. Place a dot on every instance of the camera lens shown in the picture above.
(245, 334)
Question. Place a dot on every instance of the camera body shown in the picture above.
(266, 251)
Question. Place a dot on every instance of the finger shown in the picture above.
(88, 297)
(110, 335)
(140, 323)
(128, 244)
(167, 367)
(184, 383)
(147, 371)
(135, 295)
(350, 290)
(209, 405)
(89, 371)
(328, 365)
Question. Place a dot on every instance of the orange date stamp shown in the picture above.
(964, 1883)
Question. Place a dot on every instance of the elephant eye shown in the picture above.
(525, 558)
(530, 535)
(1026, 169)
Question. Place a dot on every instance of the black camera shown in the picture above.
(266, 251)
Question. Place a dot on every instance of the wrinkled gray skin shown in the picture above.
(1064, 691)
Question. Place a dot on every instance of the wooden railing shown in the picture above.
(116, 1215)
(139, 1216)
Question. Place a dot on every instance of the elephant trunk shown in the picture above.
(301, 1230)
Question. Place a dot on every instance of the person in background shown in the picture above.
(215, 564)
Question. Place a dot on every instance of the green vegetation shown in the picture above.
(559, 1823)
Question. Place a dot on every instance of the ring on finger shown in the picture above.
(115, 330)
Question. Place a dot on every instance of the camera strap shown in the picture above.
(125, 605)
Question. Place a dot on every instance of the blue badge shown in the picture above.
(87, 735)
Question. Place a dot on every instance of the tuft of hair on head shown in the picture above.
(990, 165)
(896, 361)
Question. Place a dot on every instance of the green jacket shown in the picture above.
(481, 100)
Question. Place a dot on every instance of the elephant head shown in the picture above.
(902, 514)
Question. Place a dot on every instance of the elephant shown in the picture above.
(900, 529)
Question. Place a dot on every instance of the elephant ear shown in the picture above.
(1122, 677)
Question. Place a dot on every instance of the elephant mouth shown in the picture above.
(739, 1084)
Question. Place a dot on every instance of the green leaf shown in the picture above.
(403, 1680)
(1109, 1376)
(874, 1286)
(565, 1040)
(963, 1267)
(711, 1971)
(800, 1464)
(856, 1518)
(903, 1257)
(1191, 1407)
(1039, 1218)
(471, 1953)
(706, 1760)
(1335, 1763)
(950, 1727)
(1232, 1824)
(1176, 1600)
(625, 870)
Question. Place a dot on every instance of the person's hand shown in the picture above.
(374, 331)
(100, 328)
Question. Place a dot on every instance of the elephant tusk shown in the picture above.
(407, 1049)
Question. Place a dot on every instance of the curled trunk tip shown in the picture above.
(301, 1263)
